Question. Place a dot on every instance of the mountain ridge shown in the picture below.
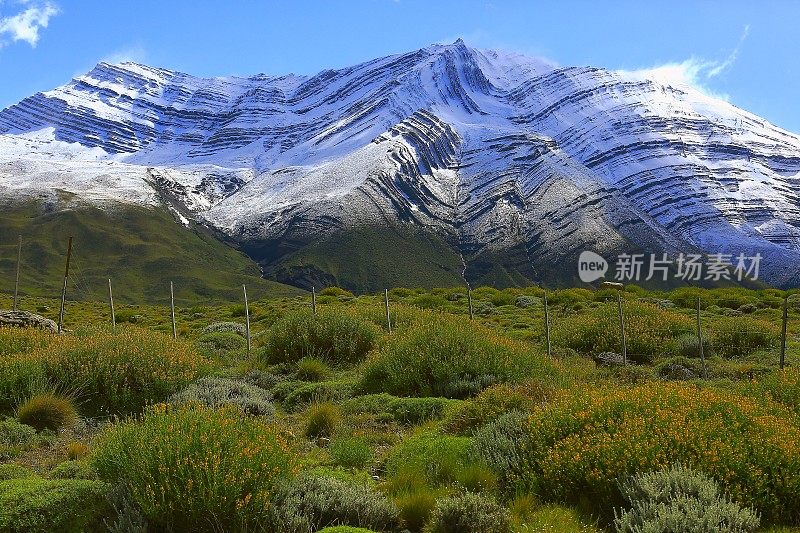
(506, 159)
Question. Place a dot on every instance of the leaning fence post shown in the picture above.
(622, 330)
(246, 317)
(111, 305)
(172, 310)
(783, 330)
(386, 304)
(700, 341)
(469, 302)
(16, 279)
(547, 325)
(64, 289)
(313, 300)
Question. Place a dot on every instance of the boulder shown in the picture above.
(24, 319)
(677, 372)
(608, 359)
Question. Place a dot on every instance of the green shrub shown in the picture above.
(122, 372)
(73, 470)
(582, 443)
(14, 471)
(468, 513)
(47, 411)
(294, 394)
(503, 445)
(217, 392)
(43, 505)
(495, 401)
(401, 410)
(226, 327)
(324, 501)
(310, 369)
(21, 376)
(680, 499)
(335, 291)
(686, 345)
(340, 339)
(183, 465)
(437, 459)
(477, 478)
(450, 357)
(345, 529)
(735, 337)
(323, 419)
(649, 330)
(429, 301)
(222, 341)
(782, 386)
(415, 507)
(351, 452)
(526, 302)
(16, 438)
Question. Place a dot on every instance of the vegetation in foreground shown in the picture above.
(332, 423)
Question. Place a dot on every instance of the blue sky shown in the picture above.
(744, 51)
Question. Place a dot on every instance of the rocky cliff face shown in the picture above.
(509, 160)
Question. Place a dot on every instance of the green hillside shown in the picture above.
(141, 249)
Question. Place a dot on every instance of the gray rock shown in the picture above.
(24, 319)
(608, 359)
(677, 372)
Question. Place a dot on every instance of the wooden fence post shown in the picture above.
(64, 289)
(172, 310)
(547, 325)
(313, 300)
(111, 304)
(386, 304)
(16, 280)
(469, 302)
(247, 317)
(622, 330)
(700, 341)
(783, 330)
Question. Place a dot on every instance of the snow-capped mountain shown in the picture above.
(510, 160)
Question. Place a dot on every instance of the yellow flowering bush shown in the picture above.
(122, 372)
(648, 329)
(584, 442)
(191, 468)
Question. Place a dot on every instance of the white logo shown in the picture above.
(591, 266)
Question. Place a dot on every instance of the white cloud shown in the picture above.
(133, 54)
(25, 25)
(695, 72)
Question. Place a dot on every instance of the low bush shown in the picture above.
(680, 499)
(649, 330)
(335, 291)
(217, 392)
(504, 445)
(468, 513)
(76, 450)
(429, 301)
(295, 394)
(736, 337)
(225, 327)
(21, 340)
(73, 469)
(193, 468)
(686, 345)
(16, 438)
(122, 372)
(323, 419)
(782, 386)
(415, 507)
(582, 443)
(495, 401)
(21, 376)
(351, 452)
(310, 369)
(436, 459)
(450, 357)
(14, 471)
(37, 505)
(220, 342)
(47, 411)
(340, 339)
(345, 529)
(401, 410)
(324, 501)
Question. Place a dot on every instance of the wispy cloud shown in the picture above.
(27, 23)
(696, 72)
(135, 53)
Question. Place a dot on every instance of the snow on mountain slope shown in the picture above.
(493, 151)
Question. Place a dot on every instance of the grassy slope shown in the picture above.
(370, 259)
(140, 249)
